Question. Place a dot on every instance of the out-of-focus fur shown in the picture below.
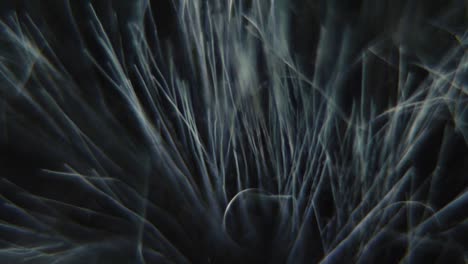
(233, 132)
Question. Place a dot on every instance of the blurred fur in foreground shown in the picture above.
(240, 131)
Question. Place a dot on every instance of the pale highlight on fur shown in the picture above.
(232, 151)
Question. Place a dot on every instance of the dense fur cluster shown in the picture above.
(234, 131)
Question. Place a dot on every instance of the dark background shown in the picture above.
(21, 157)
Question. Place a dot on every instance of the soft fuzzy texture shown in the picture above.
(262, 131)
